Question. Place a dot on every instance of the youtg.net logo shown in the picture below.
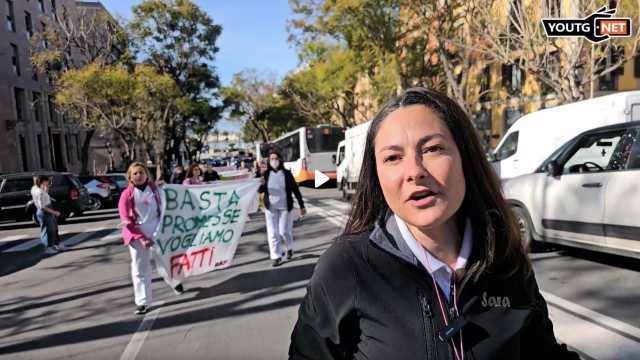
(597, 27)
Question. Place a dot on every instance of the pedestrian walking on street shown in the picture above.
(210, 175)
(430, 264)
(279, 186)
(178, 175)
(193, 175)
(139, 208)
(46, 215)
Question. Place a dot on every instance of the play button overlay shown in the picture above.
(320, 178)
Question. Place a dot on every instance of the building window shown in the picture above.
(636, 66)
(40, 148)
(41, 5)
(512, 78)
(11, 20)
(45, 42)
(68, 146)
(485, 84)
(18, 95)
(23, 152)
(76, 137)
(52, 110)
(34, 73)
(510, 115)
(28, 24)
(37, 105)
(15, 59)
(552, 8)
(53, 9)
(609, 82)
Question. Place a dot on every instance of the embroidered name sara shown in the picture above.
(495, 301)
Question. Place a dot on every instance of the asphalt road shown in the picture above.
(79, 304)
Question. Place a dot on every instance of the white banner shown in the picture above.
(200, 227)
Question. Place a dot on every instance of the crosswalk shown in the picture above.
(593, 335)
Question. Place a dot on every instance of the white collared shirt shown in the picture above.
(441, 272)
(146, 210)
(40, 197)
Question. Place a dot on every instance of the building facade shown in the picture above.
(35, 135)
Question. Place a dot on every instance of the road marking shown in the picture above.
(333, 217)
(596, 335)
(137, 340)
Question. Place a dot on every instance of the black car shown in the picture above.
(69, 196)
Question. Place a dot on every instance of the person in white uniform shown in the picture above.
(139, 208)
(279, 186)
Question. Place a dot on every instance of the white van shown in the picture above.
(349, 158)
(533, 137)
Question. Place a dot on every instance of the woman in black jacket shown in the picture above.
(278, 185)
(430, 264)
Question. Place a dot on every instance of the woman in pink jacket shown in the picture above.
(193, 175)
(139, 208)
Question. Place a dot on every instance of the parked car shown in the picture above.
(533, 137)
(102, 192)
(66, 191)
(585, 194)
(116, 190)
(120, 180)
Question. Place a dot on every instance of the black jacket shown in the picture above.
(290, 187)
(370, 298)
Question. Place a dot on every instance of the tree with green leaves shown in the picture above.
(179, 39)
(92, 37)
(139, 107)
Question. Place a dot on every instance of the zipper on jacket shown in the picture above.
(428, 326)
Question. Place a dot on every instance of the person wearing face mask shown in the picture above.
(46, 215)
(278, 186)
(430, 264)
(139, 208)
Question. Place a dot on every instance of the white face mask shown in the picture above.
(274, 164)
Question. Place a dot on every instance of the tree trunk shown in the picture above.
(84, 156)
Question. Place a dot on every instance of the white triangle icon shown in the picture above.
(320, 178)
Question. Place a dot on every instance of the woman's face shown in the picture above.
(196, 172)
(138, 176)
(419, 167)
(44, 185)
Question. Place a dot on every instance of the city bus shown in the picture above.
(306, 150)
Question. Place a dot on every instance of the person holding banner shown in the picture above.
(278, 186)
(430, 264)
(193, 175)
(139, 208)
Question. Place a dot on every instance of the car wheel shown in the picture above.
(96, 202)
(524, 228)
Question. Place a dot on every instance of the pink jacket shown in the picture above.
(190, 181)
(126, 206)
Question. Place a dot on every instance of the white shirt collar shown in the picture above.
(439, 270)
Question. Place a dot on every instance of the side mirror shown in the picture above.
(553, 168)
(491, 156)
(333, 159)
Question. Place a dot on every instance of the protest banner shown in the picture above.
(200, 227)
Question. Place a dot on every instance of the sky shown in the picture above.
(254, 35)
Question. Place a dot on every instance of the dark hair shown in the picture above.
(39, 179)
(497, 245)
(277, 153)
(192, 167)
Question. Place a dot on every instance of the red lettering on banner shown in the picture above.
(179, 261)
(201, 252)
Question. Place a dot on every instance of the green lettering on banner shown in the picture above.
(218, 235)
(187, 241)
(235, 216)
(216, 220)
(162, 248)
(178, 222)
(226, 239)
(171, 196)
(175, 243)
(219, 195)
(187, 195)
(207, 238)
(204, 199)
(234, 199)
(193, 226)
(166, 221)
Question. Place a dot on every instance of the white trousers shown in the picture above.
(141, 272)
(279, 229)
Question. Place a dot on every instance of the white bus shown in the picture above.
(306, 150)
